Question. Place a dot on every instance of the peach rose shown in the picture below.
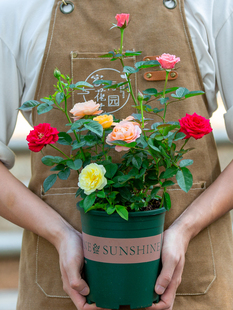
(105, 120)
(85, 108)
(124, 131)
(167, 61)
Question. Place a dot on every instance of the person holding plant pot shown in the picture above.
(76, 36)
(212, 204)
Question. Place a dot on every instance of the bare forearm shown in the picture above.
(208, 207)
(20, 206)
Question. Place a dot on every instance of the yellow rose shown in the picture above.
(92, 178)
(104, 120)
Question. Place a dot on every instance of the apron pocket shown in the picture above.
(89, 67)
(48, 275)
(199, 271)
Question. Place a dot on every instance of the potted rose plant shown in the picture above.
(122, 203)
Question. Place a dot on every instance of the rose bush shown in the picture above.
(40, 136)
(153, 159)
(195, 126)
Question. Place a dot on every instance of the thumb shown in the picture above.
(165, 276)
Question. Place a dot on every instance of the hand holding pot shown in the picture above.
(71, 263)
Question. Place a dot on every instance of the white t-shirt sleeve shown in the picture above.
(11, 86)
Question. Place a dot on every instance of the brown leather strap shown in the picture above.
(152, 76)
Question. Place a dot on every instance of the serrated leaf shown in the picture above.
(167, 201)
(163, 100)
(83, 84)
(130, 70)
(179, 136)
(147, 64)
(89, 201)
(194, 93)
(168, 183)
(168, 173)
(102, 82)
(59, 97)
(49, 160)
(64, 175)
(137, 162)
(150, 91)
(186, 162)
(49, 182)
(44, 108)
(75, 165)
(121, 210)
(132, 53)
(111, 170)
(64, 138)
(184, 179)
(95, 127)
(151, 144)
(28, 105)
(77, 145)
(180, 92)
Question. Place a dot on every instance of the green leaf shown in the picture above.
(102, 82)
(130, 70)
(194, 93)
(109, 55)
(59, 97)
(79, 191)
(137, 162)
(95, 127)
(147, 64)
(150, 91)
(64, 138)
(83, 84)
(168, 173)
(111, 170)
(154, 191)
(168, 183)
(89, 201)
(179, 136)
(101, 194)
(167, 201)
(151, 144)
(49, 182)
(125, 193)
(49, 160)
(110, 210)
(132, 53)
(77, 145)
(44, 108)
(163, 100)
(184, 179)
(121, 210)
(180, 92)
(63, 175)
(28, 105)
(75, 165)
(186, 162)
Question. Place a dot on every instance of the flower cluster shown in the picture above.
(152, 159)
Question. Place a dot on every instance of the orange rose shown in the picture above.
(85, 108)
(104, 120)
(125, 131)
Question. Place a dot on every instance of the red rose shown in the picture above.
(122, 20)
(42, 135)
(195, 126)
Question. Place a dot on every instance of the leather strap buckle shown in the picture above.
(153, 76)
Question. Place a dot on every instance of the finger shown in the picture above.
(168, 298)
(166, 275)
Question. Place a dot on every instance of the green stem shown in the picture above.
(184, 144)
(122, 38)
(164, 90)
(142, 112)
(59, 151)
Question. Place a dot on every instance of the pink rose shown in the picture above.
(85, 108)
(195, 126)
(124, 131)
(40, 136)
(122, 20)
(167, 61)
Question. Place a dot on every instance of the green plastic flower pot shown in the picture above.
(122, 258)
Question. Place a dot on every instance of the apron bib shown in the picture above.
(74, 44)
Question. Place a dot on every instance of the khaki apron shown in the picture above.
(74, 43)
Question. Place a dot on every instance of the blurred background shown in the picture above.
(11, 235)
